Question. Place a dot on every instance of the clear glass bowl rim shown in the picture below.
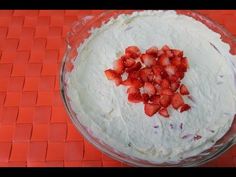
(79, 26)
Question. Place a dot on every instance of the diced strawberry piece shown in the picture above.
(184, 62)
(129, 62)
(176, 61)
(132, 90)
(179, 74)
(157, 69)
(165, 84)
(169, 54)
(145, 74)
(170, 69)
(135, 97)
(164, 74)
(177, 53)
(150, 77)
(174, 78)
(151, 109)
(136, 83)
(145, 97)
(157, 79)
(167, 91)
(149, 88)
(174, 86)
(127, 82)
(165, 100)
(177, 101)
(155, 99)
(119, 66)
(164, 60)
(133, 83)
(163, 112)
(152, 51)
(158, 89)
(184, 65)
(117, 81)
(148, 60)
(160, 52)
(135, 67)
(132, 51)
(182, 68)
(110, 74)
(184, 90)
(165, 48)
(185, 107)
(134, 75)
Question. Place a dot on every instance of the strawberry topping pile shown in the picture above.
(153, 78)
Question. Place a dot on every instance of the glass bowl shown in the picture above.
(80, 30)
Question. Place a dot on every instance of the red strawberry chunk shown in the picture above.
(151, 109)
(165, 48)
(165, 84)
(134, 75)
(184, 62)
(133, 83)
(184, 65)
(182, 68)
(135, 97)
(167, 91)
(169, 54)
(110, 74)
(176, 61)
(150, 77)
(165, 100)
(132, 51)
(149, 88)
(155, 99)
(132, 90)
(177, 100)
(145, 97)
(170, 69)
(157, 69)
(145, 74)
(117, 81)
(174, 78)
(127, 82)
(164, 60)
(179, 74)
(185, 107)
(157, 79)
(136, 83)
(135, 67)
(128, 62)
(160, 52)
(152, 51)
(148, 60)
(119, 66)
(164, 74)
(163, 112)
(174, 86)
(177, 53)
(184, 90)
(158, 89)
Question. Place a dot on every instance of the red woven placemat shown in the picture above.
(34, 127)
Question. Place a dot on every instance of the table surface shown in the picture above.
(34, 127)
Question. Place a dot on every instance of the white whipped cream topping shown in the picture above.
(104, 109)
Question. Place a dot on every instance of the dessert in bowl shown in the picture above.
(120, 128)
